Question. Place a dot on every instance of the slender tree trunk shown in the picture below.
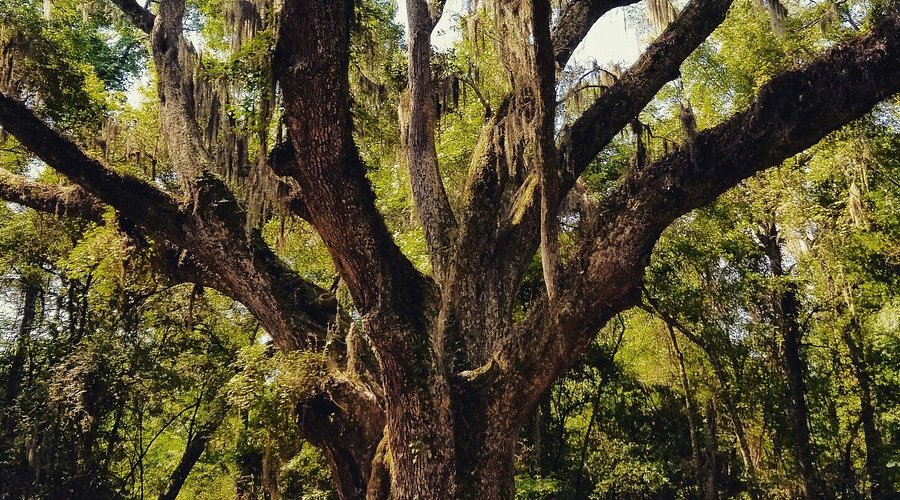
(17, 367)
(711, 486)
(737, 423)
(786, 309)
(579, 478)
(196, 445)
(728, 399)
(690, 409)
(880, 484)
(848, 475)
(798, 413)
(249, 463)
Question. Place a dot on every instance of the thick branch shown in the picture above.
(790, 114)
(659, 64)
(204, 241)
(174, 56)
(432, 204)
(395, 300)
(74, 201)
(610, 113)
(134, 198)
(210, 227)
(545, 151)
(347, 422)
(502, 220)
(331, 175)
(575, 21)
(142, 18)
(60, 200)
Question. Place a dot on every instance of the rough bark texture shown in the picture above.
(456, 373)
(396, 301)
(59, 200)
(432, 204)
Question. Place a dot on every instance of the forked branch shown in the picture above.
(791, 113)
(295, 312)
(338, 198)
(174, 56)
(142, 18)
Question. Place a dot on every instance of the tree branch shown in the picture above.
(142, 18)
(659, 64)
(436, 11)
(610, 113)
(502, 220)
(336, 193)
(575, 21)
(791, 113)
(211, 227)
(174, 59)
(432, 204)
(134, 198)
(654, 308)
(59, 200)
(545, 151)
(396, 301)
(196, 445)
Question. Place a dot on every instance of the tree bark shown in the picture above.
(196, 445)
(449, 430)
(689, 409)
(880, 483)
(432, 204)
(786, 311)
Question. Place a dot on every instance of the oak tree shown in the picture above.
(431, 376)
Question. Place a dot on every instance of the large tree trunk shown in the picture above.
(437, 424)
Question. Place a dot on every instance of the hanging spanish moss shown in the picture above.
(244, 19)
(777, 15)
(10, 43)
(7, 67)
(587, 86)
(238, 140)
(660, 13)
(513, 43)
